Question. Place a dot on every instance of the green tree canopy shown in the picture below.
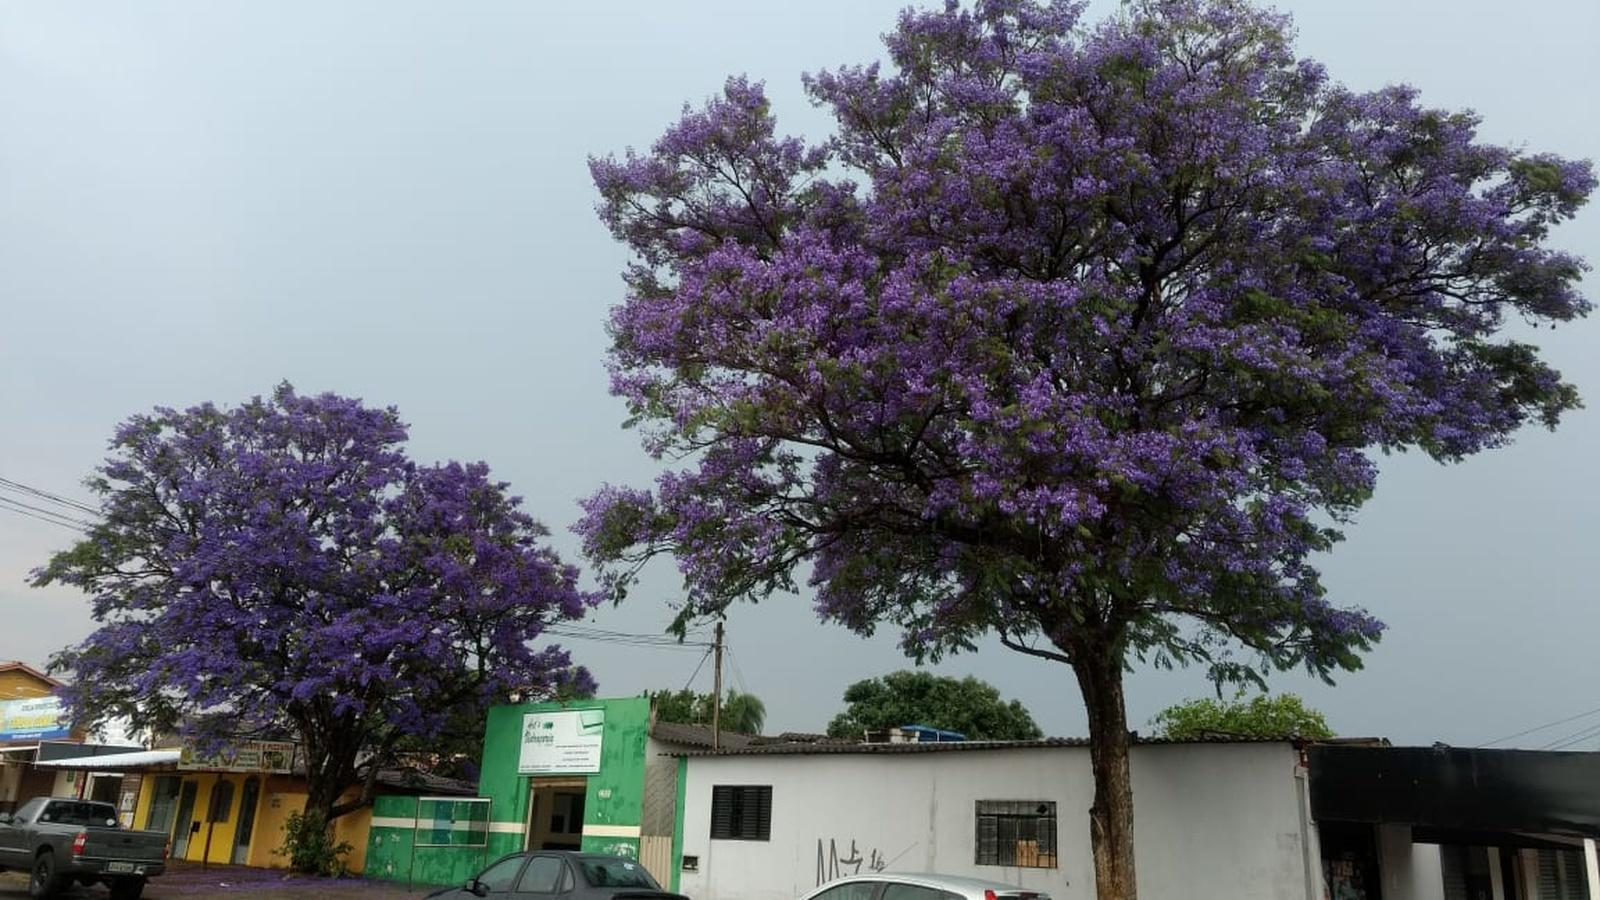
(1264, 715)
(741, 713)
(915, 697)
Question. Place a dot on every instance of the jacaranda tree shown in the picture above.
(1080, 336)
(282, 567)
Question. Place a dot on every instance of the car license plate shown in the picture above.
(119, 867)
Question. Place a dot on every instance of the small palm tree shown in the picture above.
(743, 713)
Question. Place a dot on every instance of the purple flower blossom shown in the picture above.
(1076, 333)
(1084, 336)
(282, 566)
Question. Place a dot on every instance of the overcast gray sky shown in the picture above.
(390, 200)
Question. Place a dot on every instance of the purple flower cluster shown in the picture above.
(283, 566)
(1082, 334)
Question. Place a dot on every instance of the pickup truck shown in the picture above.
(61, 840)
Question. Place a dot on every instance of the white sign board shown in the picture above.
(566, 742)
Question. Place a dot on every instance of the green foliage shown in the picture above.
(741, 713)
(308, 843)
(1264, 715)
(917, 697)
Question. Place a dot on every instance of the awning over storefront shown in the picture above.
(139, 760)
(1446, 790)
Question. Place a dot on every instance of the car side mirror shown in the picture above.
(478, 888)
(5, 818)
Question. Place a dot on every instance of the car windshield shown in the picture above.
(617, 873)
(71, 812)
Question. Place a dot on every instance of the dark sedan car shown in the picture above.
(572, 876)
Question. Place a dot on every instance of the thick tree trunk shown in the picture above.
(320, 796)
(1111, 817)
(326, 785)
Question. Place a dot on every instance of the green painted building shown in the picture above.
(589, 775)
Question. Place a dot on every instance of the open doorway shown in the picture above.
(555, 813)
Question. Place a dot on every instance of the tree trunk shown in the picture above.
(1111, 816)
(326, 785)
(321, 792)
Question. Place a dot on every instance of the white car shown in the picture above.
(911, 886)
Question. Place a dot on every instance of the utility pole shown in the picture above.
(716, 692)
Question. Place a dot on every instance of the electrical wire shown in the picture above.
(49, 512)
(697, 669)
(47, 495)
(1562, 743)
(22, 509)
(733, 663)
(624, 639)
(610, 634)
(1538, 728)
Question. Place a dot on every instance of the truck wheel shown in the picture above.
(127, 888)
(45, 882)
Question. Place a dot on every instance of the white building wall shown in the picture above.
(1211, 820)
(1408, 871)
(1427, 874)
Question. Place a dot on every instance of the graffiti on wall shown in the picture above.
(832, 862)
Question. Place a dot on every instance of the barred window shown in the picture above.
(1017, 833)
(741, 812)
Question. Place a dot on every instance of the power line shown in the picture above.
(47, 495)
(23, 510)
(1546, 725)
(49, 512)
(733, 662)
(697, 669)
(647, 641)
(1571, 739)
(596, 632)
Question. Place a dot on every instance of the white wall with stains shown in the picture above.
(1211, 820)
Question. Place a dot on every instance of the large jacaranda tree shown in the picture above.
(282, 567)
(1080, 336)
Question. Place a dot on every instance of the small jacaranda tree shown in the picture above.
(282, 567)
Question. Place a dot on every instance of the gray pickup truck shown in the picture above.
(60, 841)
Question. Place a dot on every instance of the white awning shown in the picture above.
(21, 748)
(136, 760)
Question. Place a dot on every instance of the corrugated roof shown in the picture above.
(799, 748)
(425, 782)
(696, 735)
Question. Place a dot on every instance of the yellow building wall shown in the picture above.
(18, 685)
(220, 832)
(353, 828)
(141, 806)
(284, 796)
(281, 795)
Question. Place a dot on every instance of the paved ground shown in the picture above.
(191, 882)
